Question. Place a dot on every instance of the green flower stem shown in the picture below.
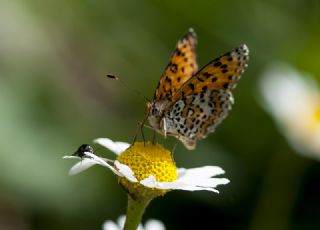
(135, 212)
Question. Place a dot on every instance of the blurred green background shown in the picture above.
(54, 96)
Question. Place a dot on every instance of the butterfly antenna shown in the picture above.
(137, 92)
(154, 137)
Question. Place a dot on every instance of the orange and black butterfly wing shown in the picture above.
(205, 99)
(220, 74)
(181, 67)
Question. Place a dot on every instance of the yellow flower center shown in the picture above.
(145, 160)
(149, 159)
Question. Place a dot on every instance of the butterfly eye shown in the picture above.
(152, 109)
(155, 110)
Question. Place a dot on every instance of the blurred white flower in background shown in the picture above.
(149, 225)
(293, 99)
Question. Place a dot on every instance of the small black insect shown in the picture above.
(82, 149)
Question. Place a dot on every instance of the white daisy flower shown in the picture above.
(293, 99)
(151, 224)
(146, 171)
(150, 166)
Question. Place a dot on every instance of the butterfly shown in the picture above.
(189, 103)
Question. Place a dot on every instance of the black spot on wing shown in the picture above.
(206, 74)
(216, 64)
(191, 86)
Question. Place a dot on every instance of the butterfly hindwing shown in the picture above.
(181, 67)
(195, 116)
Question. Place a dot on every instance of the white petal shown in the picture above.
(71, 157)
(115, 147)
(198, 173)
(103, 163)
(211, 182)
(126, 171)
(109, 225)
(195, 180)
(154, 225)
(121, 220)
(179, 185)
(81, 166)
(195, 188)
(150, 182)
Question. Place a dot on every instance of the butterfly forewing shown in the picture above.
(221, 73)
(181, 67)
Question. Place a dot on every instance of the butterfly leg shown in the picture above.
(164, 127)
(142, 124)
(142, 133)
(154, 137)
(174, 148)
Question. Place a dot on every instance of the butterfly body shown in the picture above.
(188, 104)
